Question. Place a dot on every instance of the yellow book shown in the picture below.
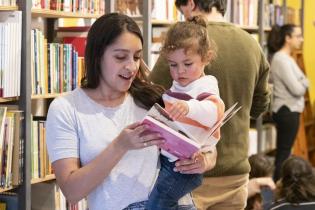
(3, 206)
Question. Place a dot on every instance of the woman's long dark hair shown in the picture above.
(276, 38)
(298, 181)
(103, 33)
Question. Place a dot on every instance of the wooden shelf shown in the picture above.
(52, 95)
(45, 179)
(248, 28)
(156, 22)
(311, 149)
(308, 123)
(252, 28)
(60, 14)
(4, 100)
(8, 8)
(6, 189)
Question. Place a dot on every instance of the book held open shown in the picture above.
(179, 142)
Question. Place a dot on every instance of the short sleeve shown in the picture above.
(61, 130)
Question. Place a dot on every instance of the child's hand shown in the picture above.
(178, 109)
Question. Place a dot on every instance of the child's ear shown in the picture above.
(209, 57)
(212, 55)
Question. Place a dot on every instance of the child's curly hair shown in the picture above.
(192, 36)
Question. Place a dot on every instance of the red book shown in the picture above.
(78, 43)
(75, 35)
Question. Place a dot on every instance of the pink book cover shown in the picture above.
(178, 141)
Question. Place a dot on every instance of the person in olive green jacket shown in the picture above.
(242, 72)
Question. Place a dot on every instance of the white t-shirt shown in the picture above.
(78, 127)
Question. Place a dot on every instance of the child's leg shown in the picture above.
(170, 186)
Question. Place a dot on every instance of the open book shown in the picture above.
(179, 142)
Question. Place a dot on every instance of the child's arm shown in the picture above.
(207, 111)
(178, 110)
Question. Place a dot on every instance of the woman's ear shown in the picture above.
(191, 5)
(287, 38)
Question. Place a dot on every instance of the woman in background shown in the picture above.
(290, 85)
(296, 188)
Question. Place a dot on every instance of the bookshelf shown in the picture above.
(304, 145)
(8, 8)
(24, 101)
(44, 96)
(46, 13)
(10, 99)
(25, 98)
(45, 179)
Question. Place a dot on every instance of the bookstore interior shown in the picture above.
(42, 45)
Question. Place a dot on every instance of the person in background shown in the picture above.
(289, 87)
(96, 142)
(296, 187)
(261, 167)
(193, 101)
(242, 73)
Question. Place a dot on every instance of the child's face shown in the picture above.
(185, 67)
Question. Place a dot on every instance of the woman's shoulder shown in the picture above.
(66, 99)
(68, 102)
(280, 56)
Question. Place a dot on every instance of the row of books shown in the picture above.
(7, 2)
(41, 166)
(268, 140)
(47, 195)
(55, 67)
(166, 10)
(245, 13)
(10, 53)
(160, 9)
(11, 147)
(81, 6)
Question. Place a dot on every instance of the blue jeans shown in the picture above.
(141, 206)
(170, 186)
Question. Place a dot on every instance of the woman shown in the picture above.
(289, 87)
(96, 146)
(296, 188)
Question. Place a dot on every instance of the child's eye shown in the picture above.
(188, 64)
(172, 65)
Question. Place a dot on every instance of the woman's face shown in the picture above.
(120, 63)
(296, 39)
